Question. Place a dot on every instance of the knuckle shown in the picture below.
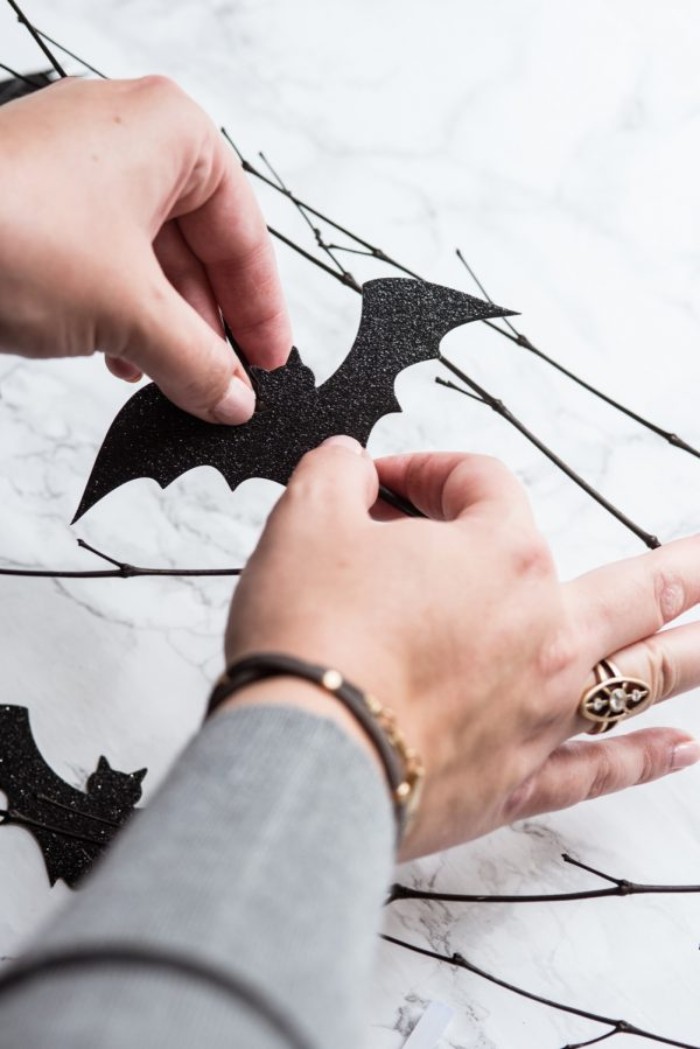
(303, 485)
(158, 83)
(486, 465)
(471, 471)
(309, 482)
(559, 654)
(531, 555)
(604, 775)
(518, 799)
(662, 672)
(648, 766)
(669, 593)
(205, 391)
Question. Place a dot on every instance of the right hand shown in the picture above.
(460, 624)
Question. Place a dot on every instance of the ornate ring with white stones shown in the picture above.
(613, 698)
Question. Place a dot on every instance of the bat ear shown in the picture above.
(103, 765)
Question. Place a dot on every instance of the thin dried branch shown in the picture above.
(618, 887)
(71, 54)
(522, 340)
(651, 541)
(347, 276)
(8, 816)
(121, 570)
(615, 1026)
(22, 18)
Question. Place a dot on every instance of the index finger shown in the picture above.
(453, 485)
(621, 603)
(227, 233)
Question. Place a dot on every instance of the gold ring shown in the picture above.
(613, 698)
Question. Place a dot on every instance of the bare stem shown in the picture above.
(122, 570)
(501, 409)
(619, 887)
(618, 1026)
(12, 816)
(21, 17)
(522, 340)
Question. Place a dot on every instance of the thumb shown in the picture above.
(185, 357)
(451, 485)
(339, 476)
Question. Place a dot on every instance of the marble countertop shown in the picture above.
(556, 143)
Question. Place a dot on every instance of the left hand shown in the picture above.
(461, 626)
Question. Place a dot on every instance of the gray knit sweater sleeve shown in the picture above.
(266, 856)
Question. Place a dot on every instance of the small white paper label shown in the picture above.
(431, 1027)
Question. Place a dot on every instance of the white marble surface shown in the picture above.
(557, 143)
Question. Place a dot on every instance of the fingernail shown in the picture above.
(237, 405)
(685, 754)
(342, 441)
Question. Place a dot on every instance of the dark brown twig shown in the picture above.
(619, 887)
(13, 816)
(121, 570)
(521, 339)
(373, 251)
(76, 812)
(501, 409)
(71, 54)
(21, 17)
(320, 241)
(616, 1026)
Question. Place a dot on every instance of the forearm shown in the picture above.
(266, 856)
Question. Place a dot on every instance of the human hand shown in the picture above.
(461, 626)
(126, 223)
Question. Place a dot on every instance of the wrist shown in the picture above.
(402, 765)
(288, 691)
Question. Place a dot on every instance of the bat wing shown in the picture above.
(151, 437)
(403, 322)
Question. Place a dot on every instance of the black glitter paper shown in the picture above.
(71, 826)
(403, 322)
(16, 88)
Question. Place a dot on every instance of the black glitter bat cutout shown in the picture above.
(12, 89)
(72, 827)
(402, 323)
